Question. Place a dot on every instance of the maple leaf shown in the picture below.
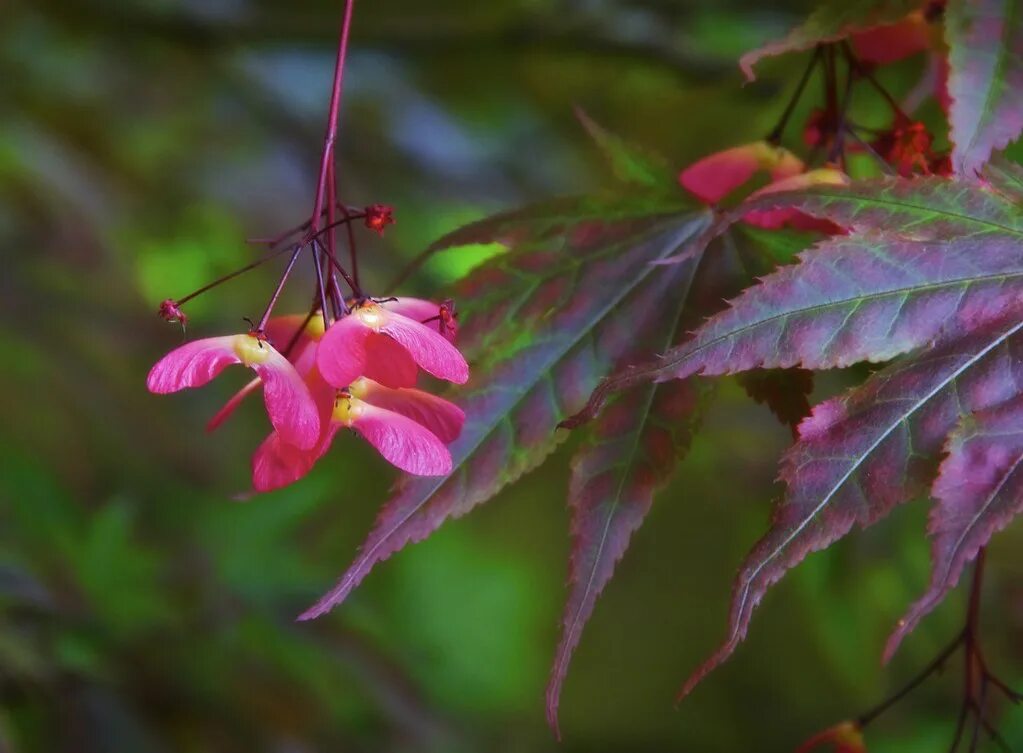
(632, 451)
(860, 455)
(547, 319)
(985, 40)
(636, 444)
(850, 299)
(831, 21)
(927, 261)
(929, 208)
(924, 253)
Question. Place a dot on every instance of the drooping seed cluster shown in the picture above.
(360, 373)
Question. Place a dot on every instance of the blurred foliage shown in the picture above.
(142, 609)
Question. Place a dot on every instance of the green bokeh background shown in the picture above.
(143, 609)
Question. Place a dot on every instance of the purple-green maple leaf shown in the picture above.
(978, 491)
(553, 316)
(931, 208)
(985, 40)
(629, 456)
(636, 445)
(929, 260)
(924, 255)
(850, 299)
(860, 455)
(831, 21)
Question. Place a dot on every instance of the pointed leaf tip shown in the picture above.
(630, 455)
(855, 459)
(978, 491)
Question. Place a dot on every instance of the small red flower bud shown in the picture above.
(169, 311)
(379, 216)
(907, 147)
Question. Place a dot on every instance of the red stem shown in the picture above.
(320, 287)
(327, 158)
(325, 198)
(230, 276)
(775, 135)
(277, 291)
(331, 202)
(339, 268)
(278, 239)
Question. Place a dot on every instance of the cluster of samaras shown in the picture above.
(357, 373)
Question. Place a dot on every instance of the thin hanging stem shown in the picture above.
(864, 72)
(230, 276)
(320, 286)
(979, 712)
(349, 216)
(838, 147)
(341, 271)
(280, 286)
(830, 101)
(326, 193)
(355, 214)
(976, 585)
(830, 85)
(338, 270)
(776, 133)
(934, 666)
(331, 231)
(281, 237)
(330, 137)
(977, 678)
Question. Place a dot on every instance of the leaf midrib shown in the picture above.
(832, 304)
(886, 202)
